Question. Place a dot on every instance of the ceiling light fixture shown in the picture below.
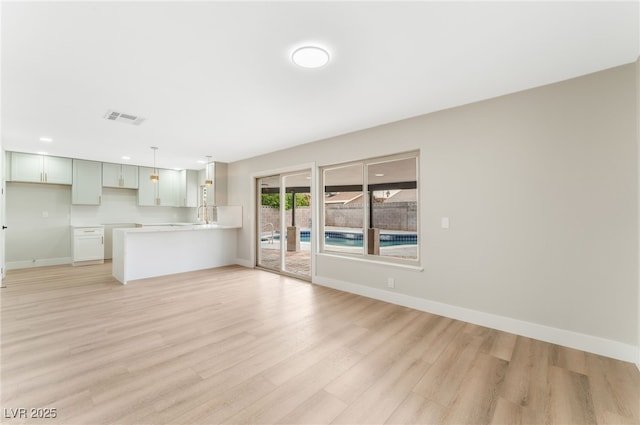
(126, 158)
(310, 57)
(207, 179)
(46, 139)
(155, 178)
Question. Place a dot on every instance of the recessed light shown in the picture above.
(46, 139)
(42, 153)
(379, 175)
(310, 57)
(201, 161)
(126, 158)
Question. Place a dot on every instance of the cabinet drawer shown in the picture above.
(89, 231)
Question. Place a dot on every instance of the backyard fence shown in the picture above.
(386, 216)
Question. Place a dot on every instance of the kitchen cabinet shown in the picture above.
(87, 183)
(168, 188)
(119, 175)
(162, 193)
(26, 167)
(188, 188)
(88, 245)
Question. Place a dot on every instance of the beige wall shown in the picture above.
(541, 188)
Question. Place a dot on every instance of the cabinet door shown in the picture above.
(188, 188)
(147, 190)
(88, 248)
(130, 176)
(111, 175)
(58, 170)
(192, 188)
(119, 175)
(87, 182)
(168, 187)
(26, 167)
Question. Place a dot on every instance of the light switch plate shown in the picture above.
(444, 222)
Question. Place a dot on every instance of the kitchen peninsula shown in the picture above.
(159, 250)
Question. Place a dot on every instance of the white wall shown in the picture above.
(541, 189)
(33, 240)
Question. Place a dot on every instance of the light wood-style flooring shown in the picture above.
(235, 345)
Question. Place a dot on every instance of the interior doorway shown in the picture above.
(284, 237)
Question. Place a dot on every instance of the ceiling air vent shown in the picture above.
(125, 118)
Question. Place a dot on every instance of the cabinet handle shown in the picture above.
(41, 177)
(99, 199)
(102, 240)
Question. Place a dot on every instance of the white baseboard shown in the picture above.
(244, 263)
(584, 342)
(41, 262)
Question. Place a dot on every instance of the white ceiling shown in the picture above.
(215, 78)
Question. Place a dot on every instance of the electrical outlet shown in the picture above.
(45, 214)
(391, 282)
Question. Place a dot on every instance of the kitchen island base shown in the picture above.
(157, 251)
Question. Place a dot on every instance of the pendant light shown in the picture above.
(154, 177)
(207, 180)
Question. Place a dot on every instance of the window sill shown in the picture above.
(370, 260)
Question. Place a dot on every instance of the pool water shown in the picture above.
(355, 239)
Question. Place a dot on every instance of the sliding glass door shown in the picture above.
(284, 223)
(268, 220)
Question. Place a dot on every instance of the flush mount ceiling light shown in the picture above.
(154, 176)
(310, 57)
(46, 139)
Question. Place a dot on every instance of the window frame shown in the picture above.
(364, 255)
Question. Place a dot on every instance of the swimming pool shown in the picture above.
(355, 239)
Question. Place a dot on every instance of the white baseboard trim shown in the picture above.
(41, 262)
(244, 263)
(584, 342)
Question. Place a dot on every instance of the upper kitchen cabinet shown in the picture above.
(26, 167)
(188, 188)
(87, 182)
(164, 192)
(119, 175)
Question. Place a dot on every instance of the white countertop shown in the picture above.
(175, 228)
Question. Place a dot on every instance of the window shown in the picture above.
(371, 208)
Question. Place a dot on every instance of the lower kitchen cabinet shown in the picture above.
(88, 245)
